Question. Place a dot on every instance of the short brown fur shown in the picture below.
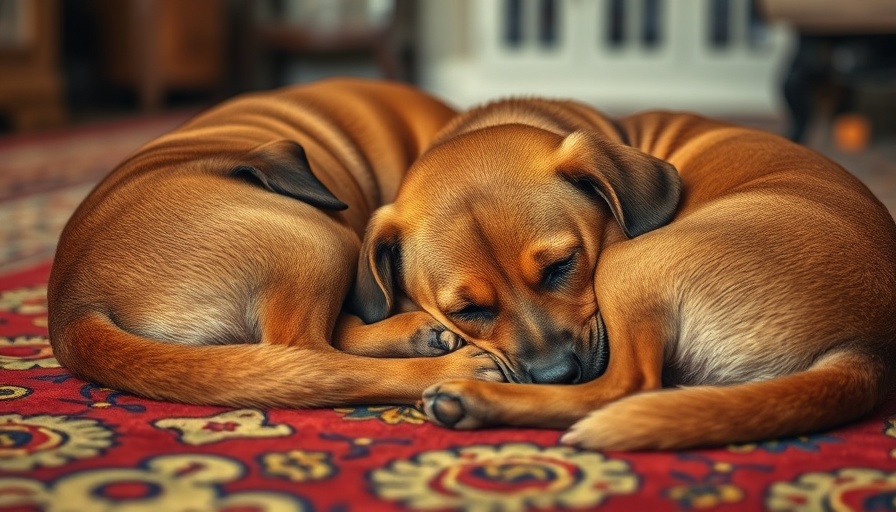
(211, 266)
(755, 274)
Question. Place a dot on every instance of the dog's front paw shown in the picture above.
(469, 362)
(455, 404)
(434, 339)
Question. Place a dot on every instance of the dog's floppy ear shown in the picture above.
(282, 167)
(641, 190)
(373, 294)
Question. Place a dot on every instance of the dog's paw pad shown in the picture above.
(447, 410)
(458, 404)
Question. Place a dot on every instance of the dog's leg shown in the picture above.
(361, 380)
(351, 378)
(837, 389)
(305, 373)
(636, 358)
(412, 334)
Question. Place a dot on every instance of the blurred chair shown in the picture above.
(841, 44)
(280, 32)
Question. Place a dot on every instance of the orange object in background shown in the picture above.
(852, 133)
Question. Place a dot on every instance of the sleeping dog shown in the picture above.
(211, 266)
(600, 261)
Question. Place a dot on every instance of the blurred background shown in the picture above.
(84, 82)
(796, 61)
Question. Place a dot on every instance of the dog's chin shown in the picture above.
(599, 356)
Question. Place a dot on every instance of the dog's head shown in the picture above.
(497, 233)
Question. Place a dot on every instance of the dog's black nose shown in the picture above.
(564, 369)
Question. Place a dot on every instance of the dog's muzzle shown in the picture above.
(564, 368)
(576, 366)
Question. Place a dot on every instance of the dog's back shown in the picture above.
(779, 275)
(795, 253)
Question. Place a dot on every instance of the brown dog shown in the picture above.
(212, 265)
(760, 276)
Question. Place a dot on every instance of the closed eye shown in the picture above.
(556, 273)
(473, 313)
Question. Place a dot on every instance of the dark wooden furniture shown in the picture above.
(155, 46)
(31, 88)
(841, 46)
(270, 40)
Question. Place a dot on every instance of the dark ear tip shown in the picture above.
(643, 191)
(667, 191)
(336, 205)
(282, 167)
(368, 306)
(369, 313)
(242, 170)
(376, 281)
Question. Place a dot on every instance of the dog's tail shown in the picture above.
(838, 388)
(243, 375)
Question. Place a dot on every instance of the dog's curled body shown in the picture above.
(211, 266)
(751, 276)
(794, 253)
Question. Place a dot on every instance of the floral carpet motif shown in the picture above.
(66, 444)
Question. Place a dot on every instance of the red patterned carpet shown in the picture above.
(66, 444)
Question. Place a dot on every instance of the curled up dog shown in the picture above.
(211, 266)
(656, 281)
